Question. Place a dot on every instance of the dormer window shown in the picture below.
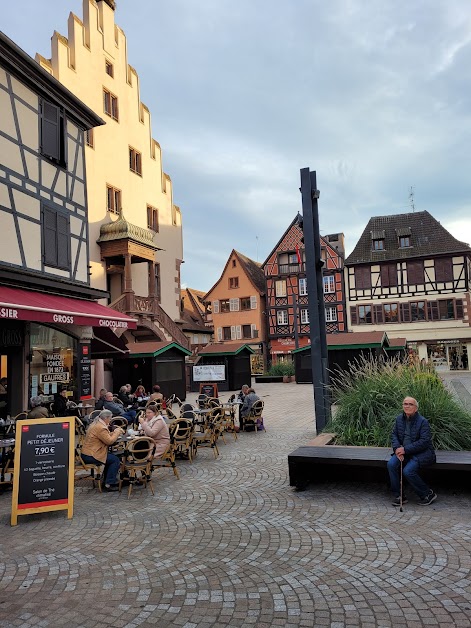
(378, 245)
(404, 237)
(404, 242)
(377, 240)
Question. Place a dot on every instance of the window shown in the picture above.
(110, 104)
(224, 305)
(53, 133)
(253, 303)
(388, 275)
(195, 339)
(362, 277)
(404, 242)
(135, 161)
(391, 313)
(55, 238)
(329, 284)
(215, 307)
(246, 331)
(415, 272)
(153, 218)
(282, 317)
(113, 199)
(330, 314)
(89, 139)
(445, 309)
(234, 305)
(245, 303)
(302, 287)
(378, 245)
(417, 311)
(234, 263)
(364, 315)
(226, 333)
(109, 69)
(304, 316)
(444, 269)
(280, 288)
(233, 282)
(157, 281)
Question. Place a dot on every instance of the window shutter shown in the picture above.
(253, 303)
(219, 333)
(238, 332)
(253, 330)
(233, 333)
(378, 313)
(234, 305)
(50, 130)
(63, 241)
(215, 307)
(432, 308)
(405, 313)
(353, 315)
(49, 237)
(444, 269)
(459, 308)
(415, 272)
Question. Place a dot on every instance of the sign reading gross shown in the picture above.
(209, 373)
(44, 458)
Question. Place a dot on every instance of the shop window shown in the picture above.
(53, 133)
(55, 238)
(53, 363)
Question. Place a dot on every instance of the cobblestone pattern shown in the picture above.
(231, 544)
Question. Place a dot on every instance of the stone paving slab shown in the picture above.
(231, 544)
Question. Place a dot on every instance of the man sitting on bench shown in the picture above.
(413, 449)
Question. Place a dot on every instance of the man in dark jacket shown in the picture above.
(413, 448)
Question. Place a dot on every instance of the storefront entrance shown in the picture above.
(448, 355)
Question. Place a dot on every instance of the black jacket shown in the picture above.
(421, 448)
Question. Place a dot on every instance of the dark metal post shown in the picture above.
(295, 321)
(312, 245)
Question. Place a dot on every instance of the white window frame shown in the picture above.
(304, 316)
(219, 333)
(234, 305)
(253, 302)
(329, 284)
(233, 332)
(302, 286)
(253, 328)
(196, 339)
(280, 287)
(215, 307)
(331, 314)
(238, 332)
(282, 317)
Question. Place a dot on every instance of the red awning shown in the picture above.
(28, 305)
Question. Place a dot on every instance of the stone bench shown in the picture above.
(319, 462)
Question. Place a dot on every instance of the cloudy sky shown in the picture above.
(374, 96)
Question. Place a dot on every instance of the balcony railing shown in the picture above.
(291, 269)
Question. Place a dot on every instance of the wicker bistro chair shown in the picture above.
(216, 416)
(94, 414)
(93, 471)
(254, 419)
(137, 464)
(183, 437)
(167, 459)
(202, 401)
(118, 421)
(208, 438)
(228, 421)
(6, 465)
(213, 402)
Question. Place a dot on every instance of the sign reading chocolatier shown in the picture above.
(44, 466)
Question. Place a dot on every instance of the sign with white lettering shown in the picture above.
(44, 466)
(209, 373)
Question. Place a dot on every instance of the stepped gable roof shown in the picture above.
(253, 270)
(427, 237)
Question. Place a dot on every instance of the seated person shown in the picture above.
(249, 399)
(38, 411)
(140, 392)
(95, 448)
(60, 406)
(243, 392)
(124, 396)
(100, 402)
(156, 394)
(154, 426)
(117, 409)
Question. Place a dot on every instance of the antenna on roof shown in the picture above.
(411, 198)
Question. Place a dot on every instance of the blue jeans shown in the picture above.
(111, 467)
(130, 415)
(410, 472)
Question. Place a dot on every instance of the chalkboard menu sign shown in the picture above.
(85, 371)
(44, 466)
(209, 389)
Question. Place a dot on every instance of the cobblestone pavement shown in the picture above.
(231, 544)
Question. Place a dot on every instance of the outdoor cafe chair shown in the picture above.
(119, 421)
(171, 416)
(228, 421)
(80, 428)
(173, 399)
(254, 418)
(167, 459)
(93, 470)
(183, 437)
(93, 415)
(136, 465)
(202, 401)
(208, 438)
(213, 402)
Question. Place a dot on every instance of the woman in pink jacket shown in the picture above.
(154, 426)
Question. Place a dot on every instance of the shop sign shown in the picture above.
(44, 460)
(85, 372)
(55, 369)
(11, 338)
(209, 373)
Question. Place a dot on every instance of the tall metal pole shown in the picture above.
(312, 245)
(295, 321)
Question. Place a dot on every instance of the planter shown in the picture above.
(287, 379)
(268, 379)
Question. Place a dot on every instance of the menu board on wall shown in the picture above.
(44, 466)
(85, 372)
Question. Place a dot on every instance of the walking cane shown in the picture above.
(400, 495)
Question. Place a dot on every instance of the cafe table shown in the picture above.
(84, 409)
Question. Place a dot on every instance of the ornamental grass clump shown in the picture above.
(369, 397)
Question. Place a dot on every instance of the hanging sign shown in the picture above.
(44, 467)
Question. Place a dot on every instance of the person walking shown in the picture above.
(413, 450)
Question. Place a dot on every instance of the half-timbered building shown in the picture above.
(50, 322)
(409, 276)
(287, 291)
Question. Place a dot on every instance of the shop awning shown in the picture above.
(29, 305)
(106, 344)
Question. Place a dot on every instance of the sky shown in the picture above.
(374, 96)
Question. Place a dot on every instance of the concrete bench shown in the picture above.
(319, 463)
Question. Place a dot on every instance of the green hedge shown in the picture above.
(282, 368)
(370, 396)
